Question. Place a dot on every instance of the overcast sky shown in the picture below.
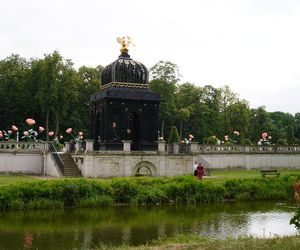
(251, 45)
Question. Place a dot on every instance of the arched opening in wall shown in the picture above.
(143, 171)
(144, 168)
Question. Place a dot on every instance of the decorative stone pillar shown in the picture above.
(68, 146)
(246, 149)
(194, 147)
(175, 148)
(46, 146)
(126, 145)
(89, 145)
(161, 146)
(77, 147)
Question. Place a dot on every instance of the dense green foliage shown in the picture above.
(208, 111)
(140, 190)
(49, 90)
(55, 94)
(174, 136)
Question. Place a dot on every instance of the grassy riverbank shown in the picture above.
(182, 242)
(60, 193)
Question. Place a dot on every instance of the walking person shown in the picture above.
(200, 171)
(195, 168)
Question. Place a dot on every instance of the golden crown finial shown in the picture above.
(124, 41)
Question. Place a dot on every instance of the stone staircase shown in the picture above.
(70, 169)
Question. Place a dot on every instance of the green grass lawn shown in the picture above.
(10, 179)
(220, 176)
(217, 177)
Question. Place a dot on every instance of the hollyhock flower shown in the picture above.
(9, 132)
(61, 137)
(226, 137)
(80, 133)
(25, 133)
(51, 133)
(14, 128)
(1, 134)
(236, 133)
(30, 121)
(69, 131)
(41, 129)
(264, 134)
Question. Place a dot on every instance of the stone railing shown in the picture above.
(216, 149)
(192, 148)
(23, 146)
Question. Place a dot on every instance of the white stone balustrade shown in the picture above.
(23, 146)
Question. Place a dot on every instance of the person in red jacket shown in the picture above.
(200, 171)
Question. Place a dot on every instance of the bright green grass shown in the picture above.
(217, 177)
(11, 179)
(220, 176)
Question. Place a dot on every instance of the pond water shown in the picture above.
(87, 228)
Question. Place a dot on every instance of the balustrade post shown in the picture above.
(175, 148)
(89, 145)
(194, 147)
(161, 146)
(126, 145)
(77, 147)
(68, 146)
(46, 146)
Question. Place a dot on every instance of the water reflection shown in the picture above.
(84, 228)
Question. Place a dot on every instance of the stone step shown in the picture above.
(70, 168)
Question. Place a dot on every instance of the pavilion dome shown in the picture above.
(125, 70)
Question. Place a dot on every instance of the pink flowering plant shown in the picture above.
(31, 134)
(265, 139)
(8, 135)
(78, 138)
(232, 140)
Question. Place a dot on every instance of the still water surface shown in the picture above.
(87, 228)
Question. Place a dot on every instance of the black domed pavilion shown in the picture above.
(125, 108)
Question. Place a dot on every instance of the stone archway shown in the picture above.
(144, 168)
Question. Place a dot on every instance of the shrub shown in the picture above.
(174, 136)
(211, 140)
(141, 190)
(247, 142)
(282, 142)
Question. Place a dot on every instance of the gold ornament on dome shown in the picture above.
(124, 41)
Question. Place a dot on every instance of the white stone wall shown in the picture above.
(50, 168)
(106, 165)
(27, 163)
(252, 161)
(113, 164)
(119, 164)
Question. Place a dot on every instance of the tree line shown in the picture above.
(55, 94)
(208, 113)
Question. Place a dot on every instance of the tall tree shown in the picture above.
(260, 122)
(165, 76)
(88, 84)
(55, 81)
(183, 115)
(15, 99)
